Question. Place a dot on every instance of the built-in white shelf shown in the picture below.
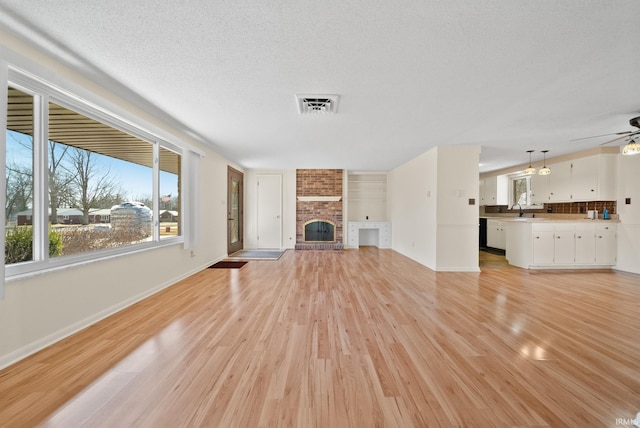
(367, 196)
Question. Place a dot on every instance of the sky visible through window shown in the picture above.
(135, 180)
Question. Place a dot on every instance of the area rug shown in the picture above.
(227, 264)
(256, 255)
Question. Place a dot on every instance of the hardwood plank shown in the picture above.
(353, 338)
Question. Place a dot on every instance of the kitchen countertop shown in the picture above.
(548, 219)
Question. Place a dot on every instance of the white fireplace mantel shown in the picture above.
(319, 198)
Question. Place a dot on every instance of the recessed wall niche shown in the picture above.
(367, 196)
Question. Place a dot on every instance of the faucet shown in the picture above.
(520, 212)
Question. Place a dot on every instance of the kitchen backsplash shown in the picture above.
(560, 208)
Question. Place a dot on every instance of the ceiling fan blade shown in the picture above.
(603, 135)
(629, 134)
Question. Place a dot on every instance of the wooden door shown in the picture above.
(235, 195)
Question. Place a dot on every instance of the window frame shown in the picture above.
(44, 92)
(512, 200)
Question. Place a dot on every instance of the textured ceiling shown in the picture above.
(507, 75)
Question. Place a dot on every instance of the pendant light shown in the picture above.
(531, 170)
(544, 170)
(632, 148)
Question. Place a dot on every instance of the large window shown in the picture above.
(169, 209)
(81, 183)
(19, 178)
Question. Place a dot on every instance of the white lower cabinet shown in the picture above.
(496, 234)
(379, 233)
(569, 244)
(564, 251)
(353, 238)
(606, 244)
(385, 235)
(543, 244)
(585, 238)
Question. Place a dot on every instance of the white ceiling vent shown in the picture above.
(317, 103)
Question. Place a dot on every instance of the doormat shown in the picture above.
(225, 264)
(257, 255)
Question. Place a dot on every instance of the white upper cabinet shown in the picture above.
(584, 179)
(540, 189)
(560, 182)
(607, 172)
(591, 178)
(494, 190)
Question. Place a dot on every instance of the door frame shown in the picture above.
(232, 174)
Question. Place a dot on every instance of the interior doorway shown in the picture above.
(235, 214)
(269, 211)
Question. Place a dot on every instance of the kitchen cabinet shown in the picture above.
(607, 170)
(564, 252)
(584, 179)
(561, 245)
(605, 237)
(592, 178)
(540, 189)
(560, 182)
(494, 190)
(496, 234)
(543, 244)
(585, 242)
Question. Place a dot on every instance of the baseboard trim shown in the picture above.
(38, 345)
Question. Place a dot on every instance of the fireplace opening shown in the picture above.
(319, 231)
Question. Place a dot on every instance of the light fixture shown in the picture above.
(544, 170)
(632, 148)
(531, 170)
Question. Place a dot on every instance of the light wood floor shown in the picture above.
(356, 338)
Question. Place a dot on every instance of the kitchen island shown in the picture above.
(545, 243)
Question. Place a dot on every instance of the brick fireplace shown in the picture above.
(319, 200)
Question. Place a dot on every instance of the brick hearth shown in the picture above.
(313, 183)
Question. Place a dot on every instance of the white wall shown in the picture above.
(629, 226)
(42, 309)
(288, 207)
(412, 194)
(432, 220)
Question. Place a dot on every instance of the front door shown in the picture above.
(235, 185)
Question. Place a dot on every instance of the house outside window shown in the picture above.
(68, 164)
